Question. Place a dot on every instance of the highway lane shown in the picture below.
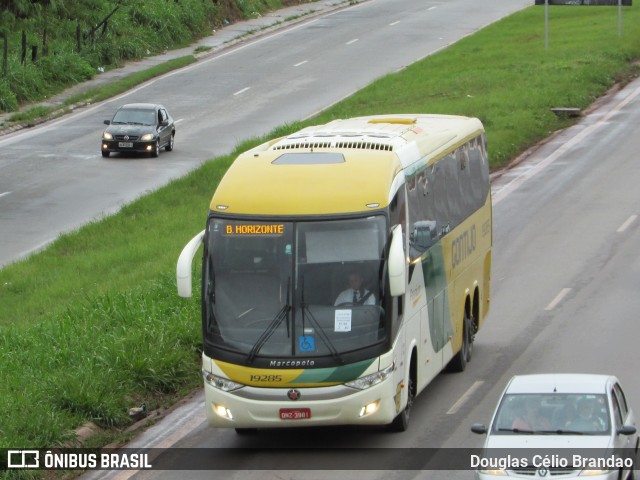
(564, 299)
(53, 179)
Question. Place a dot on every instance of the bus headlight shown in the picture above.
(222, 411)
(220, 383)
(369, 408)
(147, 137)
(368, 381)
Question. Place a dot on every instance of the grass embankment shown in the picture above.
(92, 325)
(39, 113)
(68, 42)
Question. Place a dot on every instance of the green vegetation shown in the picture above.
(53, 44)
(37, 114)
(93, 325)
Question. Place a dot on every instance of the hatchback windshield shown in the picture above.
(134, 117)
(582, 414)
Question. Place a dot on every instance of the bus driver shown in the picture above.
(356, 294)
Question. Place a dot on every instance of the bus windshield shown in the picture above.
(294, 289)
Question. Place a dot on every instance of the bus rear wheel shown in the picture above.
(459, 362)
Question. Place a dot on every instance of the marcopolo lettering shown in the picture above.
(292, 363)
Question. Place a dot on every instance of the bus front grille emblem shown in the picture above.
(293, 394)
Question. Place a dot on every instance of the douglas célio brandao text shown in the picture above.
(575, 461)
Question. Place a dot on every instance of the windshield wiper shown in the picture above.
(515, 430)
(273, 326)
(323, 336)
(568, 432)
(541, 432)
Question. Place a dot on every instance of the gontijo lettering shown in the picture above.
(256, 229)
(463, 246)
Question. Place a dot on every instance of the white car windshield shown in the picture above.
(571, 414)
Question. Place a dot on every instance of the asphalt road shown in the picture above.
(566, 264)
(564, 296)
(53, 178)
(566, 268)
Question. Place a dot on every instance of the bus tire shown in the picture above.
(401, 422)
(459, 362)
(246, 431)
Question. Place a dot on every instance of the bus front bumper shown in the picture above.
(251, 407)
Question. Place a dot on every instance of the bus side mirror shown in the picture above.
(397, 263)
(183, 269)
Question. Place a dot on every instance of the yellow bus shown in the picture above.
(344, 266)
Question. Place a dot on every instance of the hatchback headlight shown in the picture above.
(368, 381)
(220, 383)
(107, 136)
(146, 137)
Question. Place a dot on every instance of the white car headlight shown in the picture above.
(146, 137)
(107, 136)
(590, 472)
(220, 383)
(497, 471)
(368, 381)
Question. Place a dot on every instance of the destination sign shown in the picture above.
(255, 229)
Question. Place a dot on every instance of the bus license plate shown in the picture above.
(125, 144)
(295, 413)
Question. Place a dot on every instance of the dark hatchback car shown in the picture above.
(139, 128)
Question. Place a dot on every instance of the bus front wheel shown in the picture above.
(401, 422)
(246, 431)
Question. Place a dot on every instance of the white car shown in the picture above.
(560, 426)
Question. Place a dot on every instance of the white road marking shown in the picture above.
(351, 41)
(5, 193)
(554, 303)
(301, 63)
(394, 23)
(241, 91)
(466, 396)
(431, 8)
(623, 227)
(179, 120)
